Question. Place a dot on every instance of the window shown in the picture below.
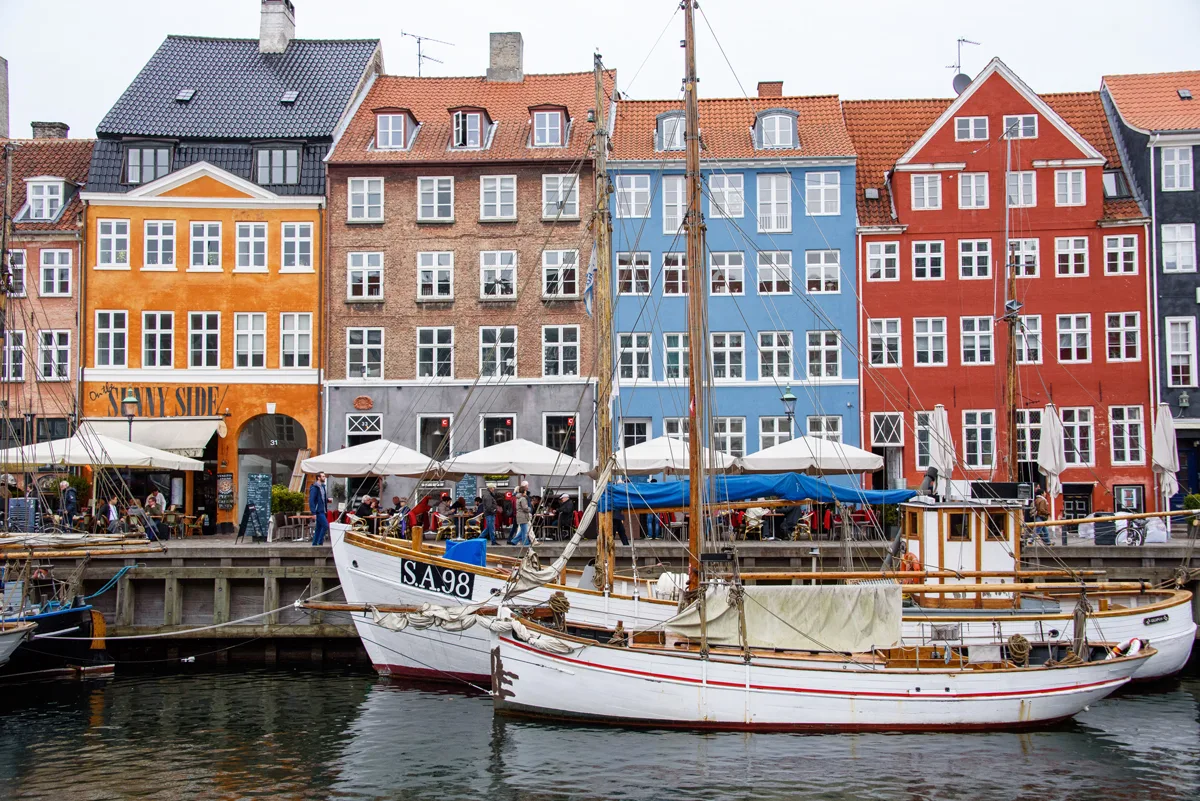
(775, 355)
(560, 433)
(1115, 184)
(390, 131)
(774, 204)
(434, 435)
(974, 258)
(250, 340)
(1077, 434)
(279, 165)
(979, 438)
(206, 246)
(435, 199)
(497, 351)
(112, 249)
(1068, 188)
(111, 331)
(560, 350)
(825, 426)
(497, 197)
(1126, 434)
(929, 340)
(887, 429)
(923, 434)
(675, 358)
(497, 429)
(884, 342)
(633, 195)
(634, 432)
(671, 130)
(775, 272)
(435, 352)
(729, 435)
(1071, 256)
(160, 245)
(1177, 169)
(1022, 190)
(926, 192)
(824, 354)
(773, 431)
(1023, 253)
(1029, 434)
(547, 129)
(1021, 126)
(674, 203)
(468, 129)
(158, 339)
(366, 200)
(1179, 248)
(822, 271)
(252, 247)
(976, 340)
(728, 356)
(1122, 331)
(560, 273)
(16, 268)
(633, 357)
(14, 356)
(1029, 339)
(776, 131)
(677, 427)
(1120, 255)
(45, 199)
(364, 353)
(928, 264)
(54, 355)
(204, 339)
(973, 190)
(435, 275)
(56, 273)
(144, 164)
(727, 195)
(822, 193)
(498, 274)
(970, 129)
(560, 196)
(364, 276)
(633, 273)
(295, 340)
(675, 274)
(883, 261)
(1074, 338)
(1181, 351)
(297, 247)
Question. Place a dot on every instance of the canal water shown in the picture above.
(310, 735)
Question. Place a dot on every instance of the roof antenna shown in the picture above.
(961, 81)
(421, 56)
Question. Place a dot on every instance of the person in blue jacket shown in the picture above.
(318, 503)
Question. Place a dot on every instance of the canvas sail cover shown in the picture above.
(850, 618)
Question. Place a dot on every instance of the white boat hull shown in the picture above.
(11, 637)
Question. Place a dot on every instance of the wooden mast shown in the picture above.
(694, 225)
(602, 298)
(1012, 315)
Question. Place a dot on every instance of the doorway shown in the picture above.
(268, 444)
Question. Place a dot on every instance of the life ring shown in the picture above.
(1130, 647)
(40, 574)
(910, 563)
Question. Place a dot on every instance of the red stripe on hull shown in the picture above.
(426, 674)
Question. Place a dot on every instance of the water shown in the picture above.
(314, 735)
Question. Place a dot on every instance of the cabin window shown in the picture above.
(959, 528)
(997, 526)
(912, 525)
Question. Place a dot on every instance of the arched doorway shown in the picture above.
(268, 444)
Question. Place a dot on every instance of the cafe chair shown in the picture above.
(196, 527)
(170, 522)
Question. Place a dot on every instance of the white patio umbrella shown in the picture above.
(85, 448)
(1165, 456)
(942, 454)
(516, 457)
(379, 457)
(666, 455)
(812, 455)
(1051, 455)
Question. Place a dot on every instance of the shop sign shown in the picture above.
(165, 400)
(225, 491)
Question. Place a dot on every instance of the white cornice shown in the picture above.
(940, 166)
(151, 376)
(1043, 163)
(739, 164)
(151, 194)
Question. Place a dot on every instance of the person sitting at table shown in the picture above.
(566, 516)
(110, 512)
(397, 504)
(152, 505)
(459, 513)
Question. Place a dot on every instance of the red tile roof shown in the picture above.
(725, 128)
(61, 158)
(429, 100)
(1151, 101)
(1084, 112)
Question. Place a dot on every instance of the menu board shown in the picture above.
(258, 495)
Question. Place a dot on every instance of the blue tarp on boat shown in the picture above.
(469, 552)
(782, 486)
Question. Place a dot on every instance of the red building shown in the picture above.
(941, 185)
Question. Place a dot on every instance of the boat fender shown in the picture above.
(40, 574)
(910, 562)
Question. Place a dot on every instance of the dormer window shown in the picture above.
(391, 131)
(468, 129)
(278, 165)
(145, 163)
(671, 129)
(45, 199)
(776, 129)
(548, 128)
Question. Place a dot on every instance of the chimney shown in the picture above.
(3, 99)
(50, 130)
(277, 26)
(770, 88)
(505, 60)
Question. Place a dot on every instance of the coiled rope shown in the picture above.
(1019, 649)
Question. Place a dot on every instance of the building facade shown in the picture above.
(1155, 119)
(459, 213)
(779, 273)
(205, 255)
(942, 185)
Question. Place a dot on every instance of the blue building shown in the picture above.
(779, 274)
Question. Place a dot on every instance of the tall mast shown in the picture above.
(1013, 315)
(694, 224)
(602, 297)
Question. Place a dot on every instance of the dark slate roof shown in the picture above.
(238, 89)
(234, 157)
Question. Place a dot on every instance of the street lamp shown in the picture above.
(129, 405)
(789, 408)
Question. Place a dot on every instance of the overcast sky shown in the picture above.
(69, 60)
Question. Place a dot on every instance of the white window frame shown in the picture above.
(560, 197)
(112, 330)
(1121, 249)
(548, 129)
(775, 355)
(977, 339)
(672, 130)
(389, 128)
(245, 336)
(1179, 248)
(824, 426)
(774, 272)
(296, 247)
(359, 264)
(926, 189)
(887, 430)
(774, 203)
(112, 244)
(158, 246)
(12, 365)
(252, 238)
(45, 200)
(430, 356)
(206, 234)
(923, 439)
(727, 354)
(634, 356)
(1177, 169)
(818, 343)
(1077, 421)
(1029, 332)
(826, 267)
(438, 267)
(1021, 126)
(633, 273)
(365, 347)
(364, 188)
(883, 261)
(1066, 184)
(679, 352)
(970, 129)
(974, 259)
(497, 186)
(157, 340)
(822, 194)
(729, 436)
(675, 274)
(1187, 353)
(935, 329)
(1021, 189)
(555, 263)
(1127, 328)
(18, 268)
(631, 437)
(434, 187)
(774, 430)
(1029, 434)
(674, 204)
(204, 332)
(632, 196)
(560, 346)
(884, 336)
(934, 251)
(295, 340)
(727, 195)
(1127, 424)
(982, 424)
(463, 125)
(1025, 257)
(497, 267)
(498, 348)
(973, 190)
(1076, 325)
(1069, 246)
(58, 271)
(54, 351)
(778, 129)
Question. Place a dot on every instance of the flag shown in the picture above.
(589, 286)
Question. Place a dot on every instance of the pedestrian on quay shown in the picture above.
(522, 517)
(488, 506)
(68, 502)
(318, 505)
(1041, 513)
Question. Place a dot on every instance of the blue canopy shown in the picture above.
(781, 486)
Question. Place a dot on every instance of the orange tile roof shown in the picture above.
(1150, 101)
(61, 158)
(429, 100)
(725, 128)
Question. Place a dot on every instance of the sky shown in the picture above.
(69, 60)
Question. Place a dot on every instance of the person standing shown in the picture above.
(68, 502)
(318, 505)
(487, 507)
(1041, 513)
(522, 517)
(566, 516)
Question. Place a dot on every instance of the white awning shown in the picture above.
(186, 436)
